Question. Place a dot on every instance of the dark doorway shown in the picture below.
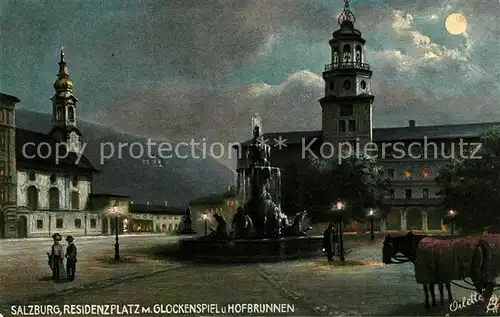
(414, 219)
(105, 225)
(22, 227)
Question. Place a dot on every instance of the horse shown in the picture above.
(407, 245)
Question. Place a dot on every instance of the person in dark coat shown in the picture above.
(71, 258)
(329, 241)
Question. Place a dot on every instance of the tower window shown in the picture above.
(331, 85)
(347, 54)
(59, 113)
(352, 125)
(359, 54)
(362, 84)
(346, 110)
(347, 84)
(71, 114)
(2, 117)
(342, 127)
(335, 57)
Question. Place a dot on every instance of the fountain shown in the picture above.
(260, 230)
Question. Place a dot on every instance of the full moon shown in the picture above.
(456, 23)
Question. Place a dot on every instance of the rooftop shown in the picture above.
(409, 133)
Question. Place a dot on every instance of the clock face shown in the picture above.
(347, 84)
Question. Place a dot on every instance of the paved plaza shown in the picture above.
(362, 287)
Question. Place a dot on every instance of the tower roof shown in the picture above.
(347, 30)
(346, 16)
(63, 85)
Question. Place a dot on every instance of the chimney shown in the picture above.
(166, 203)
(147, 202)
(411, 123)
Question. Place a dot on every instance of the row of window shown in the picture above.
(60, 223)
(409, 174)
(409, 193)
(32, 199)
(53, 178)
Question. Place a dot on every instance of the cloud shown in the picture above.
(222, 114)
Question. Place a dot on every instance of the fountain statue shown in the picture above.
(260, 187)
(259, 231)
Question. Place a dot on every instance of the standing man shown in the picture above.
(328, 241)
(71, 258)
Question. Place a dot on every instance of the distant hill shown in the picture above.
(177, 181)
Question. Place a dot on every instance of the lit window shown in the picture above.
(426, 173)
(408, 173)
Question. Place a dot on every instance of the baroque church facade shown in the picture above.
(347, 116)
(46, 181)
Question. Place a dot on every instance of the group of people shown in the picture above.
(57, 255)
(330, 241)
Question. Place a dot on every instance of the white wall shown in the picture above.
(64, 184)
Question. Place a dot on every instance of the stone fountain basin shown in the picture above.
(254, 250)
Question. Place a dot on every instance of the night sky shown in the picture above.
(192, 68)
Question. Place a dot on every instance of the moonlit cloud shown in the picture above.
(192, 69)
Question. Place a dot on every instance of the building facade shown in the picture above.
(411, 156)
(46, 181)
(154, 218)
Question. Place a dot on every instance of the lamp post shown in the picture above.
(371, 217)
(115, 211)
(340, 206)
(205, 217)
(452, 214)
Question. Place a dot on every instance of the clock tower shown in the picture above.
(64, 128)
(347, 104)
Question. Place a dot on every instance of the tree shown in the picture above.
(358, 182)
(471, 187)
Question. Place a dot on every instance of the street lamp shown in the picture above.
(340, 206)
(115, 211)
(371, 217)
(205, 217)
(452, 214)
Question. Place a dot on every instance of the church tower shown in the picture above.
(347, 104)
(64, 110)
